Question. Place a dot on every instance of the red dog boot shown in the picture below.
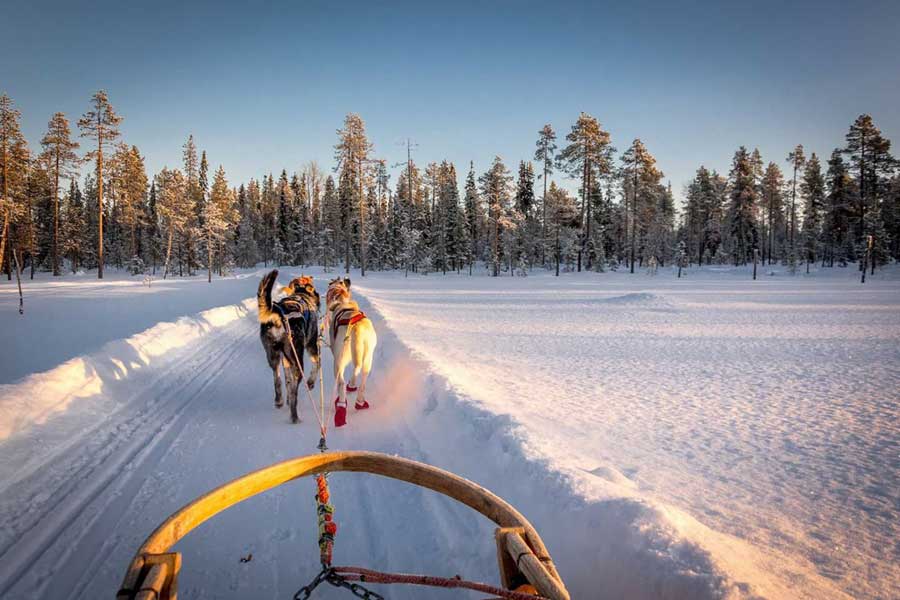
(340, 413)
(362, 406)
(350, 388)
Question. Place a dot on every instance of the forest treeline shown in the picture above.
(795, 210)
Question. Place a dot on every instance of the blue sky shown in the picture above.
(263, 88)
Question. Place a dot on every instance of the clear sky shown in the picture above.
(263, 88)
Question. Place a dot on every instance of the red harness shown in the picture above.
(346, 316)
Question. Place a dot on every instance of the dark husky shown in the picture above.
(300, 311)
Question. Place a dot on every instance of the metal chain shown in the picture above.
(356, 589)
(329, 575)
(306, 591)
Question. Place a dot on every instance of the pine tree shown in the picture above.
(331, 219)
(495, 184)
(60, 157)
(772, 196)
(870, 157)
(193, 203)
(524, 205)
(151, 219)
(100, 123)
(174, 208)
(14, 162)
(545, 154)
(245, 246)
(838, 211)
(564, 219)
(472, 210)
(284, 239)
(130, 185)
(813, 189)
(588, 157)
(74, 227)
(353, 151)
(203, 187)
(796, 159)
(641, 182)
(740, 213)
(219, 217)
(695, 210)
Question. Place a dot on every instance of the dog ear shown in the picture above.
(347, 282)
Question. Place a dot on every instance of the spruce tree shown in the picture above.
(472, 211)
(772, 191)
(742, 199)
(813, 189)
(495, 184)
(219, 218)
(870, 159)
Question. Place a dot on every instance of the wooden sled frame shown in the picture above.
(521, 554)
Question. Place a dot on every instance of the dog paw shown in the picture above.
(311, 383)
(361, 406)
(340, 414)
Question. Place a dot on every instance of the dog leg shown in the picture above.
(275, 364)
(340, 402)
(317, 364)
(292, 377)
(353, 387)
(361, 402)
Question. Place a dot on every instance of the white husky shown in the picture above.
(352, 337)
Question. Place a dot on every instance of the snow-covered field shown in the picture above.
(697, 438)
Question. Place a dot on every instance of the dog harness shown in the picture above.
(295, 308)
(346, 316)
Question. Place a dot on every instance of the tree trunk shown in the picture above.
(209, 254)
(4, 237)
(544, 221)
(558, 249)
(100, 205)
(168, 254)
(633, 213)
(56, 272)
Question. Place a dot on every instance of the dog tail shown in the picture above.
(264, 297)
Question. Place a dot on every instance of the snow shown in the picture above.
(706, 437)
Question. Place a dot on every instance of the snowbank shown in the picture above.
(40, 396)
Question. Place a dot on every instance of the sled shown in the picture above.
(525, 566)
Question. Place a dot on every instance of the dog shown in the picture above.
(294, 318)
(352, 338)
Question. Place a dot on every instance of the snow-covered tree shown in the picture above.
(813, 189)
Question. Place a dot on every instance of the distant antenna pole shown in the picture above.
(410, 145)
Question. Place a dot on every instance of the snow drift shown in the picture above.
(40, 396)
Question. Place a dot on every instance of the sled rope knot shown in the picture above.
(327, 526)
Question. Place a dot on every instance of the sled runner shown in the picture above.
(526, 570)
